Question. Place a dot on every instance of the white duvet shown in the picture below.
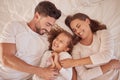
(106, 11)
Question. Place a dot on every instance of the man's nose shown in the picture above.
(48, 29)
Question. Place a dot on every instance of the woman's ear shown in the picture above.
(87, 21)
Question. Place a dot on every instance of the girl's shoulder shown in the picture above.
(64, 55)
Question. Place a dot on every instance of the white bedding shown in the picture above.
(106, 11)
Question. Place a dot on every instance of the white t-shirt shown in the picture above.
(100, 51)
(30, 47)
(65, 73)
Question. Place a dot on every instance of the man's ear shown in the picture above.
(87, 21)
(37, 16)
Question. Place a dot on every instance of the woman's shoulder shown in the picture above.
(104, 32)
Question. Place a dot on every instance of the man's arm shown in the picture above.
(8, 58)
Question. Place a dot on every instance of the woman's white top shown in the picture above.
(64, 73)
(30, 47)
(100, 51)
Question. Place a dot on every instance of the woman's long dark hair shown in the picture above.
(94, 25)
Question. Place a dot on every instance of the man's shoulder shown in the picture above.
(16, 26)
(16, 23)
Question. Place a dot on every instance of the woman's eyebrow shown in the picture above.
(77, 25)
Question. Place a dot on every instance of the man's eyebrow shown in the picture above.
(50, 24)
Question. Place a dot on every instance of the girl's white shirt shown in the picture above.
(65, 73)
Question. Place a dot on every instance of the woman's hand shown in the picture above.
(67, 63)
(115, 64)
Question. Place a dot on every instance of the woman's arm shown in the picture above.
(91, 73)
(66, 63)
(74, 77)
(104, 55)
(113, 64)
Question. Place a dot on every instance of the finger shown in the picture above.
(52, 78)
(53, 69)
(61, 61)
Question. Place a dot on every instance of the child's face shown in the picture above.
(60, 43)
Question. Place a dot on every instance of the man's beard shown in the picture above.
(38, 30)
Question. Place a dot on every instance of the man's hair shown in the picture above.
(47, 8)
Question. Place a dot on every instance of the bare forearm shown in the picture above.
(18, 64)
(74, 77)
(58, 66)
(105, 68)
(83, 61)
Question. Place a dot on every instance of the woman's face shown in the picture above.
(60, 43)
(81, 28)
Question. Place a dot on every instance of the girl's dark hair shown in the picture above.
(94, 25)
(55, 32)
(48, 9)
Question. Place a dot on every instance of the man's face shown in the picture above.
(44, 24)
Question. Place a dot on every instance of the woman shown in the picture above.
(93, 48)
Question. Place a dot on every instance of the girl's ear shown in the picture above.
(67, 49)
(87, 21)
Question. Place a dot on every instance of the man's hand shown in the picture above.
(48, 73)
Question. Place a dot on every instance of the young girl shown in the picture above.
(59, 47)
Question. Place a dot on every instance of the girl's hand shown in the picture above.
(56, 60)
(56, 57)
(52, 62)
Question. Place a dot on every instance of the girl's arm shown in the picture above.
(65, 72)
(74, 77)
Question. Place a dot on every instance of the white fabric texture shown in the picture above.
(30, 47)
(100, 52)
(65, 74)
(105, 11)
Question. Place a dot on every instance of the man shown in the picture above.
(21, 47)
